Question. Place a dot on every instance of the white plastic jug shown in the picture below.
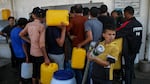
(26, 70)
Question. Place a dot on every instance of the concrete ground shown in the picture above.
(8, 75)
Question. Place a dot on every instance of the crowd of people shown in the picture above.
(33, 41)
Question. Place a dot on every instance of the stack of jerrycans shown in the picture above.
(47, 72)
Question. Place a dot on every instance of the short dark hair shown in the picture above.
(72, 9)
(94, 11)
(44, 12)
(109, 27)
(129, 9)
(86, 11)
(78, 8)
(38, 12)
(22, 21)
(114, 11)
(103, 8)
(10, 17)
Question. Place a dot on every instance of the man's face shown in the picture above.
(114, 15)
(11, 21)
(126, 15)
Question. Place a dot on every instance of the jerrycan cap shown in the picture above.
(63, 75)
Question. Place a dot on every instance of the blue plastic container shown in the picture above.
(63, 77)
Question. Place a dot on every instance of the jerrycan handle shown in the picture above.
(52, 65)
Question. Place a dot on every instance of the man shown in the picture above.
(93, 29)
(55, 38)
(131, 32)
(36, 32)
(104, 16)
(6, 32)
(77, 33)
(18, 45)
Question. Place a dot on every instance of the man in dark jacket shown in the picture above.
(131, 32)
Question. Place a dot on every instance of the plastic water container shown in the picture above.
(78, 58)
(56, 17)
(5, 14)
(47, 72)
(98, 50)
(26, 70)
(63, 77)
(117, 65)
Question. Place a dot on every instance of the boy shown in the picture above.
(6, 32)
(102, 72)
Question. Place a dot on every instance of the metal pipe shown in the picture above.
(148, 35)
(12, 7)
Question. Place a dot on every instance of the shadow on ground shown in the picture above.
(8, 75)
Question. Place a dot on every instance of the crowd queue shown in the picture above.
(34, 41)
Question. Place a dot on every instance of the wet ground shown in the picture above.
(8, 75)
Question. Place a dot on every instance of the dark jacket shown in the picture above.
(132, 36)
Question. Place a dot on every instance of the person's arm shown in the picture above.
(89, 36)
(3, 32)
(69, 28)
(124, 32)
(25, 51)
(23, 34)
(98, 60)
(111, 57)
(121, 33)
(60, 41)
(42, 45)
(87, 40)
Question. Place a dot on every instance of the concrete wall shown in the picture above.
(148, 36)
(24, 7)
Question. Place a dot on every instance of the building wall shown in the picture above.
(24, 7)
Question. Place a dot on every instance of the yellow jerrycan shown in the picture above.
(56, 17)
(5, 14)
(47, 72)
(78, 58)
(117, 65)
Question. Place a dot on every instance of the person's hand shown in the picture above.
(62, 26)
(72, 37)
(79, 45)
(89, 57)
(47, 61)
(27, 59)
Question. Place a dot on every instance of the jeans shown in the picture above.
(98, 81)
(59, 59)
(78, 75)
(129, 68)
